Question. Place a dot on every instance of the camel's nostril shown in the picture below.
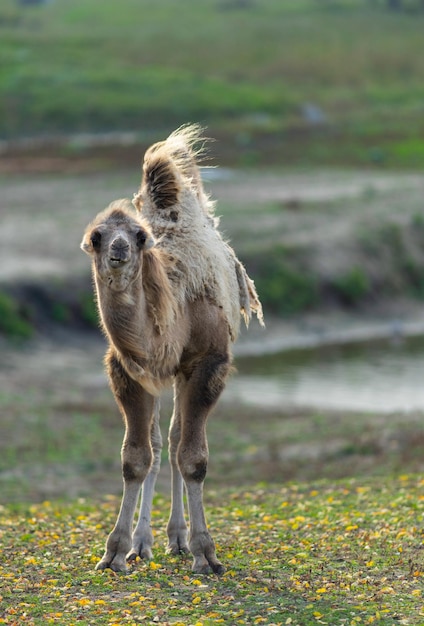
(119, 244)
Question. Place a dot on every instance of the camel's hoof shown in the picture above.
(144, 553)
(113, 565)
(218, 569)
(177, 550)
(202, 565)
(202, 569)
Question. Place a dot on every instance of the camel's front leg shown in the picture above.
(137, 408)
(142, 541)
(199, 394)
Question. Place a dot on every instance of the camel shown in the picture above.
(170, 292)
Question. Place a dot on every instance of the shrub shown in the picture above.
(284, 287)
(352, 286)
(12, 319)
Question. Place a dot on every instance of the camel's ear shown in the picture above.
(137, 201)
(91, 241)
(145, 241)
(86, 245)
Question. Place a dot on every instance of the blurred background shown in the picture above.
(317, 112)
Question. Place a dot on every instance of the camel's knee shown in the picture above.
(136, 462)
(194, 471)
(193, 465)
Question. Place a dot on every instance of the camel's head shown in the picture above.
(115, 240)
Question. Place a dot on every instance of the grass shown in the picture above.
(247, 70)
(323, 553)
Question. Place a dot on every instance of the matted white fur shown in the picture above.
(204, 265)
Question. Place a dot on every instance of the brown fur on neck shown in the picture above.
(138, 323)
(121, 312)
(161, 304)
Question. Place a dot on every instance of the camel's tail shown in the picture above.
(249, 299)
(170, 165)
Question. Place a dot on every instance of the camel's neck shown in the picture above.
(125, 320)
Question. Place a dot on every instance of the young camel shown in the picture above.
(170, 292)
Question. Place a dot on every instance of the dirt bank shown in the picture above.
(345, 238)
(43, 216)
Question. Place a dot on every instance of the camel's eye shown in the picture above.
(141, 238)
(96, 239)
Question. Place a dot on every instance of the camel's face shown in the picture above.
(116, 241)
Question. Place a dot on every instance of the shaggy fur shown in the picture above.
(204, 265)
(170, 293)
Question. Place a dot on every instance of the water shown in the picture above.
(383, 376)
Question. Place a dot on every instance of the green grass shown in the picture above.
(324, 553)
(244, 69)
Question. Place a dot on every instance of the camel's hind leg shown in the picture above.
(137, 409)
(142, 541)
(198, 393)
(177, 527)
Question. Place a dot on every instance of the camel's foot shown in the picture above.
(142, 544)
(114, 558)
(204, 555)
(144, 552)
(177, 541)
(114, 562)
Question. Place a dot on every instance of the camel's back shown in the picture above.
(202, 264)
(180, 214)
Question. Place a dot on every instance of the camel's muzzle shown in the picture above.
(119, 252)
